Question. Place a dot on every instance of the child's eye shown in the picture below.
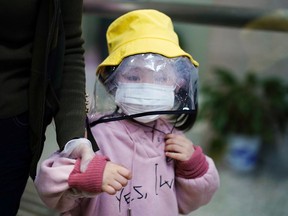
(160, 78)
(133, 75)
(132, 78)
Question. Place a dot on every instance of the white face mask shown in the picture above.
(134, 98)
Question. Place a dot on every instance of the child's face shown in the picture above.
(145, 70)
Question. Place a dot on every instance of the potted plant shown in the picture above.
(239, 113)
(275, 91)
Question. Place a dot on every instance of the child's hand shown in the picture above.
(115, 177)
(178, 147)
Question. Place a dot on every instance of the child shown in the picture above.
(156, 170)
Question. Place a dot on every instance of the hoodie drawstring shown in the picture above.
(129, 211)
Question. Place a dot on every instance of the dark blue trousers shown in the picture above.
(15, 158)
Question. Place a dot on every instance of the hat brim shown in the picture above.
(144, 45)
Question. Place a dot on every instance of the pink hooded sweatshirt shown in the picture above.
(159, 186)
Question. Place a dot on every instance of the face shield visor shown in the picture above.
(145, 86)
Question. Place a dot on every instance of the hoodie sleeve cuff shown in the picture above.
(195, 167)
(90, 180)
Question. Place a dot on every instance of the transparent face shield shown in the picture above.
(145, 86)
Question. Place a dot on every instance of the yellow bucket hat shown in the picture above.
(141, 31)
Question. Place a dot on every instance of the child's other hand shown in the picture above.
(178, 147)
(115, 177)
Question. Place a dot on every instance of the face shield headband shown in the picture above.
(150, 85)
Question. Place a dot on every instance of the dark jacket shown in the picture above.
(57, 84)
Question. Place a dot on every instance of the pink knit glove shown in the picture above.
(195, 167)
(90, 180)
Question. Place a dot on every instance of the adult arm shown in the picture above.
(70, 119)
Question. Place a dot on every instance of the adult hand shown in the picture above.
(84, 152)
(79, 148)
(178, 147)
(115, 177)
